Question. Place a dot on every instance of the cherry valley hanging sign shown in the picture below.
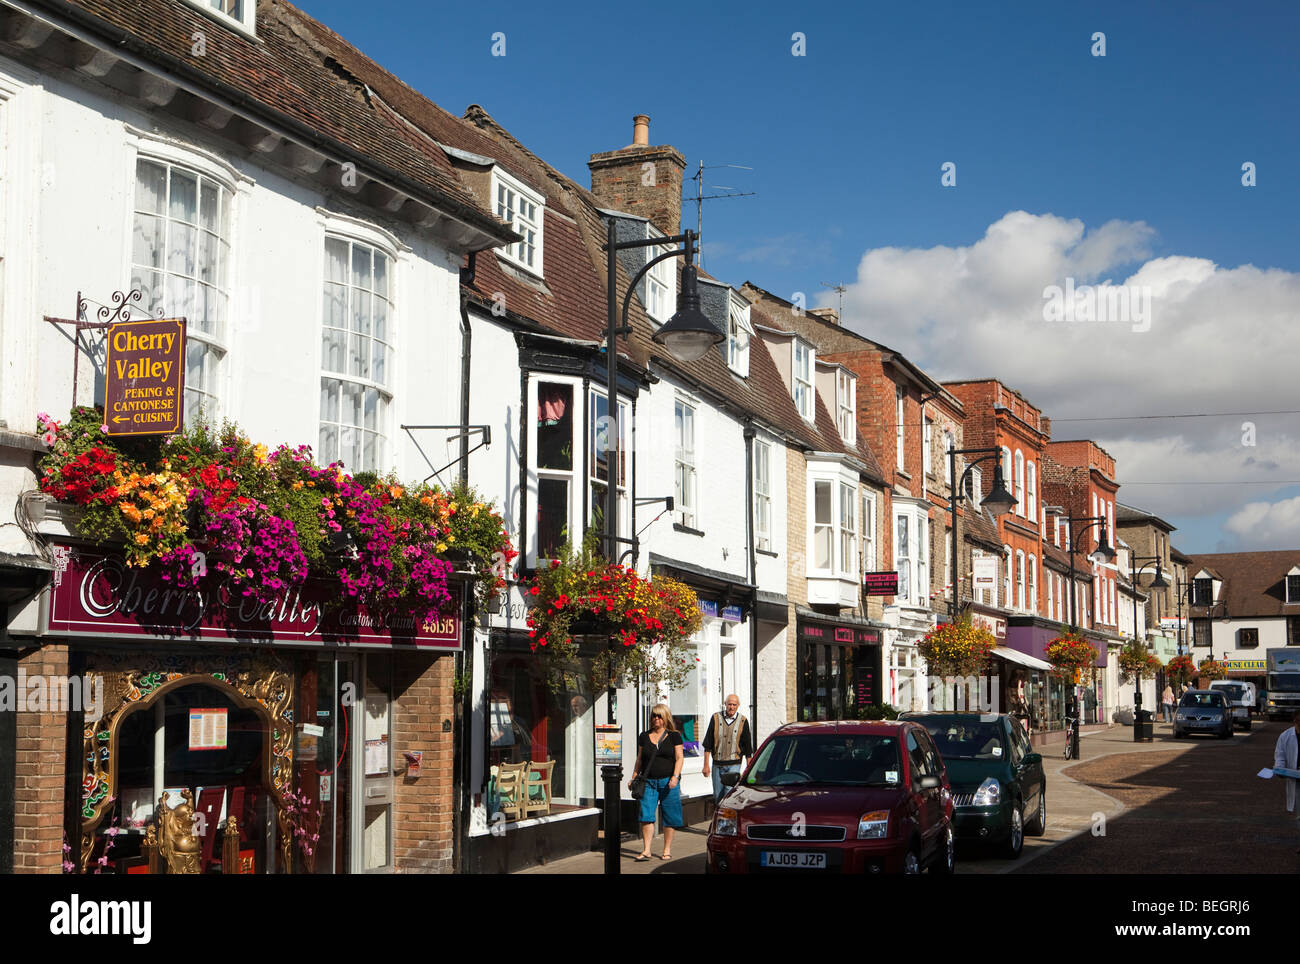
(98, 595)
(144, 389)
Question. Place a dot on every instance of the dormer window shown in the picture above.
(522, 209)
(738, 334)
(659, 281)
(1203, 592)
(1293, 587)
(240, 14)
(804, 400)
(846, 404)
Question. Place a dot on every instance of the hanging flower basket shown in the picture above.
(956, 649)
(1180, 670)
(1071, 655)
(1209, 670)
(648, 623)
(1137, 663)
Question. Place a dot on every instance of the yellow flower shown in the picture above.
(297, 485)
(259, 453)
(142, 539)
(451, 538)
(442, 547)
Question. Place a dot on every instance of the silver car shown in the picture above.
(1203, 711)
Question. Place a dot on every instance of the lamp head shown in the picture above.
(999, 501)
(688, 335)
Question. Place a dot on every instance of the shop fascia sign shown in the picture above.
(1239, 665)
(711, 609)
(849, 635)
(97, 594)
(994, 624)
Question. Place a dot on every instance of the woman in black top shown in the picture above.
(659, 759)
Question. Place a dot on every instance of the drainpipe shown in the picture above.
(464, 660)
(753, 576)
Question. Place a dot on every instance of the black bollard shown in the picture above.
(613, 777)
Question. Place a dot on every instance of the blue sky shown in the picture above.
(846, 143)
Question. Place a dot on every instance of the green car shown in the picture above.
(998, 787)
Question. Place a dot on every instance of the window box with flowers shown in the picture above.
(211, 509)
(648, 623)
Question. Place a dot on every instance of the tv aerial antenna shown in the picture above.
(701, 197)
(839, 289)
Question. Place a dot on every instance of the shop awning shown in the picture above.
(1024, 659)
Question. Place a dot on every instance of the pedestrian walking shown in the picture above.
(659, 761)
(1167, 703)
(1287, 754)
(728, 743)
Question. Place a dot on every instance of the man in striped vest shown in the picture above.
(729, 741)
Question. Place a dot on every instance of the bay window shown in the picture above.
(355, 350)
(903, 556)
(848, 529)
(180, 261)
(823, 525)
(600, 445)
(554, 464)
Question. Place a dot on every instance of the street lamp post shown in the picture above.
(999, 501)
(1135, 565)
(688, 335)
(1103, 553)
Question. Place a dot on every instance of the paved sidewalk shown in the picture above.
(1071, 810)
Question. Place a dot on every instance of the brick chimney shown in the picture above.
(826, 314)
(640, 179)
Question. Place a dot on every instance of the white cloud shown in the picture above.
(1221, 339)
(1267, 525)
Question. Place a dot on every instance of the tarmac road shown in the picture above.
(1191, 806)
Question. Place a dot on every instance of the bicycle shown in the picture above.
(1069, 736)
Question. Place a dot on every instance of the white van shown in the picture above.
(1242, 697)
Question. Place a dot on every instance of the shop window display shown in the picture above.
(531, 721)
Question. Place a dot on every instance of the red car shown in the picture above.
(844, 797)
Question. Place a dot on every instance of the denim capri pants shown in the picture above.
(658, 792)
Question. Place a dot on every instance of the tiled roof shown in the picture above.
(981, 529)
(1254, 583)
(297, 74)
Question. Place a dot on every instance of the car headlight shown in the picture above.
(724, 824)
(1216, 717)
(989, 793)
(1180, 715)
(873, 825)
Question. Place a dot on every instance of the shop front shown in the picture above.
(213, 734)
(838, 667)
(1045, 693)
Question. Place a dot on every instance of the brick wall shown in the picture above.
(622, 180)
(39, 771)
(423, 823)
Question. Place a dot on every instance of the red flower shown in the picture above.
(534, 591)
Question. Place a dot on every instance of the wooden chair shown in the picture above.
(537, 792)
(511, 780)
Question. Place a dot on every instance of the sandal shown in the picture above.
(665, 856)
(641, 858)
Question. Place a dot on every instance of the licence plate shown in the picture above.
(787, 858)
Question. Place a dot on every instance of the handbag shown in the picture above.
(638, 782)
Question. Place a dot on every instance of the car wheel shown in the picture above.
(1038, 826)
(947, 862)
(1017, 838)
(912, 860)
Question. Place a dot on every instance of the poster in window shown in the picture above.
(377, 756)
(208, 729)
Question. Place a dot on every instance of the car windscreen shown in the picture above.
(966, 739)
(1203, 699)
(1233, 692)
(857, 760)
